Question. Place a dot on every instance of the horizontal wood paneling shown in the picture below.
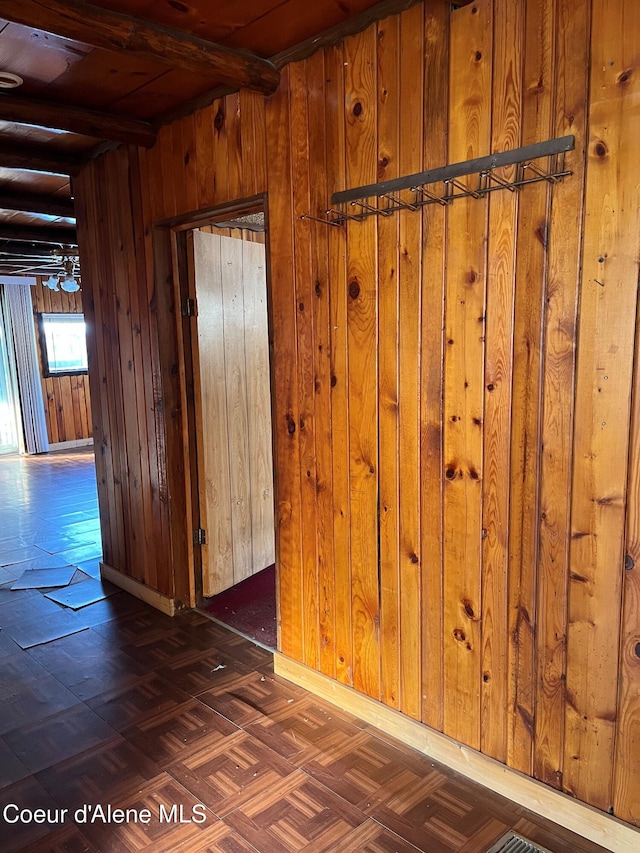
(453, 412)
(67, 402)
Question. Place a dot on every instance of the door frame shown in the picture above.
(174, 284)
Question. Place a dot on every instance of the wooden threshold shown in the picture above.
(139, 590)
(578, 817)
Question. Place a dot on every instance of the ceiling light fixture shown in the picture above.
(68, 282)
(52, 282)
(66, 278)
(9, 80)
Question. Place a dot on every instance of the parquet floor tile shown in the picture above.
(303, 730)
(57, 737)
(174, 817)
(230, 773)
(171, 734)
(297, 814)
(16, 834)
(246, 698)
(113, 771)
(135, 703)
(370, 837)
(186, 719)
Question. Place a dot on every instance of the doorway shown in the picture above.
(229, 343)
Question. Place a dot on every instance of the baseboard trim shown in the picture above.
(133, 587)
(69, 445)
(588, 822)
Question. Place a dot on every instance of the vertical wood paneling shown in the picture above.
(409, 347)
(607, 328)
(283, 310)
(470, 78)
(336, 178)
(503, 207)
(316, 117)
(531, 260)
(451, 462)
(572, 52)
(435, 117)
(626, 796)
(360, 110)
(306, 358)
(388, 402)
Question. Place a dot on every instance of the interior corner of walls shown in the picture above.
(145, 593)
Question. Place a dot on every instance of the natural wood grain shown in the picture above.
(336, 177)
(231, 263)
(607, 330)
(256, 347)
(572, 46)
(435, 113)
(626, 794)
(388, 264)
(531, 271)
(360, 112)
(285, 376)
(304, 290)
(77, 120)
(470, 81)
(409, 348)
(320, 237)
(215, 489)
(106, 29)
(503, 206)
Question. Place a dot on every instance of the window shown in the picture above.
(64, 344)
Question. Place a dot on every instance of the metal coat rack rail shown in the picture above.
(413, 192)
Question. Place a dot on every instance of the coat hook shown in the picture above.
(422, 193)
(327, 221)
(401, 205)
(490, 176)
(370, 209)
(464, 190)
(342, 216)
(553, 179)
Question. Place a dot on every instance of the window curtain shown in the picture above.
(17, 313)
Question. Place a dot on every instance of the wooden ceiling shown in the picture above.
(113, 72)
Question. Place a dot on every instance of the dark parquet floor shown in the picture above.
(183, 726)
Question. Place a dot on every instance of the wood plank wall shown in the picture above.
(456, 391)
(66, 398)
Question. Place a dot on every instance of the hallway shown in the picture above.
(136, 710)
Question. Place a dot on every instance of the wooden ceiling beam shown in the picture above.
(75, 119)
(115, 31)
(39, 234)
(37, 158)
(32, 203)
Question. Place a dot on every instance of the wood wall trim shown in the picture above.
(115, 31)
(139, 590)
(575, 816)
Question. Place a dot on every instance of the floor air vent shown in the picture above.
(511, 842)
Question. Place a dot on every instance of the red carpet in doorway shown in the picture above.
(250, 607)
